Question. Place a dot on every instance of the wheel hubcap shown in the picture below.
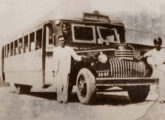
(82, 86)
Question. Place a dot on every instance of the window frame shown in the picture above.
(25, 43)
(15, 47)
(12, 48)
(31, 41)
(36, 40)
(103, 40)
(83, 41)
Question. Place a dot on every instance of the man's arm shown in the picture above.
(75, 55)
(147, 54)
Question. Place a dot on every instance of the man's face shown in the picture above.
(157, 46)
(62, 42)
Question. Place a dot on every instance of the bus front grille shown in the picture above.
(126, 68)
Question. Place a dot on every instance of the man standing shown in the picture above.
(156, 58)
(62, 59)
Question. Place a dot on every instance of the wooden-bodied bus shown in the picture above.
(27, 60)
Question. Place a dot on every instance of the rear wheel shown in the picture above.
(26, 89)
(19, 89)
(138, 93)
(23, 89)
(86, 86)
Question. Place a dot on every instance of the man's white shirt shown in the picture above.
(155, 57)
(62, 58)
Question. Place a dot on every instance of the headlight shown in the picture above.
(102, 58)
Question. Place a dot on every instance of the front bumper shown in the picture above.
(133, 81)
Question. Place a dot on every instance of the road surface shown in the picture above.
(43, 106)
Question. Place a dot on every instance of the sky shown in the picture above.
(129, 5)
(19, 15)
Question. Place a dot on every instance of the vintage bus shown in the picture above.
(27, 60)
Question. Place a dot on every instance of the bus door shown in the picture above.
(49, 55)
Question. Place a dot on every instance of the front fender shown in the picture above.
(76, 66)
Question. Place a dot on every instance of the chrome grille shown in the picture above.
(126, 68)
(124, 54)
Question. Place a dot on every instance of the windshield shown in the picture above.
(108, 35)
(82, 33)
(87, 34)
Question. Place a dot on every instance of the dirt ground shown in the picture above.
(43, 106)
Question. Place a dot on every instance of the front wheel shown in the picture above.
(86, 86)
(138, 93)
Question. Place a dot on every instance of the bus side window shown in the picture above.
(11, 50)
(20, 48)
(38, 39)
(15, 47)
(50, 34)
(32, 43)
(8, 51)
(50, 40)
(54, 39)
(26, 43)
(4, 51)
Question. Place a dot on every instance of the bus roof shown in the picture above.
(36, 26)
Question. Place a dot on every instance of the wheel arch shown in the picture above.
(75, 70)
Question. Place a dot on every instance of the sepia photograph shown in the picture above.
(82, 60)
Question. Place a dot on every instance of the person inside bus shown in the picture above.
(62, 65)
(156, 58)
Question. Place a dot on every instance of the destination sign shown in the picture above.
(96, 17)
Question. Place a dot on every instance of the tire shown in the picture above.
(86, 86)
(138, 93)
(26, 89)
(23, 89)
